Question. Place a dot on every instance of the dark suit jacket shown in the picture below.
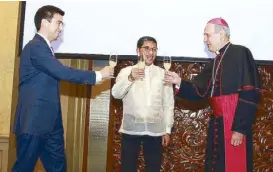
(39, 110)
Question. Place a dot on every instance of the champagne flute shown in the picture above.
(141, 62)
(113, 61)
(167, 62)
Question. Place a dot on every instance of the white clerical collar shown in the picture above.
(47, 41)
(218, 52)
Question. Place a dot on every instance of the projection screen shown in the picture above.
(102, 27)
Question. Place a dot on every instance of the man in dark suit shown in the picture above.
(38, 120)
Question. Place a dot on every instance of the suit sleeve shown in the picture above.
(245, 111)
(122, 85)
(42, 59)
(249, 93)
(190, 91)
(199, 87)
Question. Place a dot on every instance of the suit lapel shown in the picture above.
(38, 37)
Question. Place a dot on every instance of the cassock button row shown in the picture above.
(215, 150)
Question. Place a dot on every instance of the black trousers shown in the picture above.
(152, 150)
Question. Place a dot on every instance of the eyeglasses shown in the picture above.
(148, 49)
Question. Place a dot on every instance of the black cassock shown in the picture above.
(233, 98)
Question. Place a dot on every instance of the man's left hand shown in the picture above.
(236, 138)
(166, 140)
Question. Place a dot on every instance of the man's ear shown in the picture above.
(222, 34)
(137, 51)
(44, 22)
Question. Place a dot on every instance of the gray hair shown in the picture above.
(218, 28)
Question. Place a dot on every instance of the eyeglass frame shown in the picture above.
(148, 49)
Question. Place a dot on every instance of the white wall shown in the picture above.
(101, 27)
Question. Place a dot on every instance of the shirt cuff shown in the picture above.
(98, 76)
(168, 130)
(176, 89)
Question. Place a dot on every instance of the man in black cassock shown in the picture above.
(232, 85)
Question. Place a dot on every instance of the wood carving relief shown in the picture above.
(187, 149)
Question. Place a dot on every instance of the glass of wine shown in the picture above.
(141, 61)
(167, 62)
(113, 58)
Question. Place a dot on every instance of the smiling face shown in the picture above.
(53, 27)
(49, 21)
(148, 51)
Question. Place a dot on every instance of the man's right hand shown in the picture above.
(136, 74)
(107, 72)
(172, 77)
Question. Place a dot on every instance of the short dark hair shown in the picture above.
(141, 40)
(46, 12)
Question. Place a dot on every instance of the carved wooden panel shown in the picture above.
(187, 149)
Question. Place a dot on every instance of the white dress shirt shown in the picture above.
(148, 104)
